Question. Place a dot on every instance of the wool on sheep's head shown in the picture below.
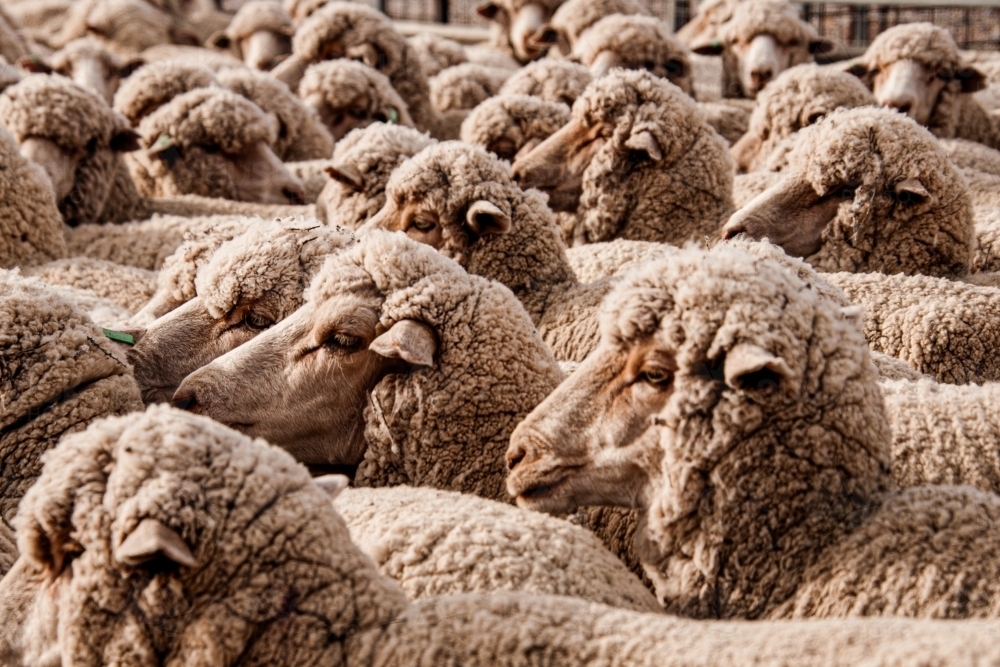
(155, 84)
(550, 79)
(736, 407)
(573, 17)
(510, 125)
(166, 538)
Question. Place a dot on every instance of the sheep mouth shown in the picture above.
(552, 496)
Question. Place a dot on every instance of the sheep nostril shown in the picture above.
(514, 456)
(516, 176)
(185, 400)
(294, 195)
(729, 232)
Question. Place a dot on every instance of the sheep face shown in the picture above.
(913, 88)
(356, 113)
(89, 64)
(261, 49)
(557, 165)
(520, 21)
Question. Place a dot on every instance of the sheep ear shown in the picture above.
(545, 36)
(412, 341)
(219, 40)
(859, 70)
(484, 218)
(820, 45)
(750, 367)
(644, 142)
(332, 485)
(971, 79)
(910, 191)
(33, 64)
(346, 174)
(487, 9)
(129, 68)
(713, 48)
(151, 539)
(125, 141)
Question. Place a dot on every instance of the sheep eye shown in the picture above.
(658, 377)
(380, 117)
(342, 343)
(253, 320)
(674, 67)
(423, 226)
(945, 75)
(814, 118)
(907, 198)
(383, 61)
(845, 192)
(359, 114)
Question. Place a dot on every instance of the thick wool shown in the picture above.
(31, 228)
(301, 134)
(986, 257)
(437, 543)
(797, 98)
(971, 155)
(465, 86)
(340, 84)
(876, 149)
(551, 79)
(573, 17)
(956, 114)
(57, 374)
(255, 16)
(373, 153)
(127, 26)
(127, 286)
(8, 547)
(703, 28)
(636, 42)
(687, 194)
(155, 84)
(447, 425)
(509, 123)
(730, 121)
(436, 53)
(201, 118)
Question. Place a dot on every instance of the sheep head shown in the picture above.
(731, 404)
(510, 126)
(516, 23)
(573, 17)
(866, 190)
(89, 63)
(914, 68)
(251, 283)
(260, 35)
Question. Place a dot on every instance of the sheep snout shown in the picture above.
(906, 87)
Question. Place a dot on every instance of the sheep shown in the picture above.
(514, 23)
(798, 97)
(89, 62)
(866, 190)
(916, 68)
(259, 34)
(124, 25)
(465, 86)
(436, 53)
(168, 541)
(126, 286)
(300, 10)
(31, 228)
(57, 374)
(731, 122)
(357, 32)
(301, 135)
(510, 126)
(362, 163)
(747, 425)
(551, 79)
(703, 28)
(437, 543)
(349, 95)
(396, 381)
(637, 161)
(248, 284)
(635, 42)
(573, 17)
(970, 155)
(77, 139)
(761, 40)
(155, 84)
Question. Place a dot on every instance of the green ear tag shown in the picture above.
(119, 336)
(393, 116)
(165, 141)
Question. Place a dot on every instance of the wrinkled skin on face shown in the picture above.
(557, 165)
(521, 27)
(302, 385)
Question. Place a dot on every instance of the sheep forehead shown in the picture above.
(63, 99)
(926, 43)
(255, 16)
(461, 174)
(608, 98)
(777, 19)
(210, 115)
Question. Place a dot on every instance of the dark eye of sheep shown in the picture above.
(907, 198)
(656, 376)
(380, 117)
(254, 320)
(342, 343)
(383, 61)
(814, 118)
(674, 68)
(845, 192)
(423, 225)
(764, 379)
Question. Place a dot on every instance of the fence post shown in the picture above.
(442, 13)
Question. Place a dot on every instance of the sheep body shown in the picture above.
(127, 286)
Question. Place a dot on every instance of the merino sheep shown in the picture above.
(510, 126)
(761, 40)
(866, 190)
(168, 540)
(437, 542)
(259, 34)
(126, 286)
(514, 24)
(247, 285)
(551, 79)
(800, 96)
(57, 374)
(635, 42)
(465, 86)
(155, 84)
(746, 423)
(129, 26)
(362, 163)
(436, 53)
(358, 32)
(89, 63)
(917, 69)
(637, 161)
(396, 378)
(573, 17)
(349, 95)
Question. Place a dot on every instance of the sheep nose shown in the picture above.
(515, 454)
(295, 195)
(760, 77)
(185, 399)
(516, 173)
(732, 231)
(902, 106)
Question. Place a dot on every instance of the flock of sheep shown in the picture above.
(590, 345)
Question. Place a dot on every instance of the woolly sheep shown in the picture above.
(916, 68)
(148, 526)
(259, 34)
(866, 190)
(57, 374)
(437, 542)
(89, 63)
(397, 380)
(761, 40)
(798, 97)
(127, 286)
(703, 28)
(970, 155)
(511, 125)
(635, 42)
(362, 163)
(436, 53)
(358, 32)
(551, 79)
(125, 25)
(637, 161)
(514, 24)
(731, 122)
(248, 284)
(465, 86)
(573, 17)
(746, 407)
(349, 95)
(155, 84)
